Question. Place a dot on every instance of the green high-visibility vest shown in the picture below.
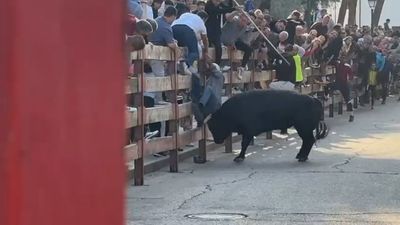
(299, 68)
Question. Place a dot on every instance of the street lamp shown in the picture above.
(372, 5)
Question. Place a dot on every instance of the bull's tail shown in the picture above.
(322, 129)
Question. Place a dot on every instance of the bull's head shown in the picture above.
(220, 130)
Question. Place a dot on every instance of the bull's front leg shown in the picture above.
(246, 140)
(308, 142)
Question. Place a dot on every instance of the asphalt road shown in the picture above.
(352, 177)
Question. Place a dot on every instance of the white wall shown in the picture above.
(391, 10)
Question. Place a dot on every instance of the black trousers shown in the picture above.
(148, 103)
(344, 89)
(247, 50)
(215, 41)
(385, 90)
(372, 93)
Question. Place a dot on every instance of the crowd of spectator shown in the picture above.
(369, 54)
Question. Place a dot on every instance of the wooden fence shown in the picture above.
(172, 84)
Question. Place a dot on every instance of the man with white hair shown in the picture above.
(283, 41)
(299, 38)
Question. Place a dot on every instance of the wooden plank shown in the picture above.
(225, 56)
(131, 119)
(132, 85)
(157, 84)
(153, 52)
(131, 152)
(190, 137)
(157, 145)
(158, 114)
(263, 76)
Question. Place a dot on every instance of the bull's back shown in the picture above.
(272, 101)
(260, 111)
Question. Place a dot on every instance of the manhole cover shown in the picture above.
(217, 216)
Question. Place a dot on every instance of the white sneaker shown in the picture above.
(240, 73)
(226, 68)
(162, 103)
(131, 109)
(186, 70)
(150, 135)
(192, 70)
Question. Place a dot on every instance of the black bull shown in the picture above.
(252, 113)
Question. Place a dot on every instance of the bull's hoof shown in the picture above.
(302, 159)
(238, 159)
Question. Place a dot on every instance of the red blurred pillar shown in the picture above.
(61, 112)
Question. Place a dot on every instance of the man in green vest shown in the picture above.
(299, 65)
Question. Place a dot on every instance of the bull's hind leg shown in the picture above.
(308, 142)
(245, 143)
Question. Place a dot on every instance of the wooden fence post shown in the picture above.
(228, 141)
(139, 131)
(340, 107)
(202, 154)
(174, 125)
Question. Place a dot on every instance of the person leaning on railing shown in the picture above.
(188, 30)
(206, 99)
(236, 25)
(215, 10)
(163, 36)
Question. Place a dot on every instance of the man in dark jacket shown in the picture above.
(331, 53)
(215, 10)
(285, 73)
(292, 22)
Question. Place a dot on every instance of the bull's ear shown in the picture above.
(207, 118)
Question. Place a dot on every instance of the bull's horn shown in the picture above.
(207, 118)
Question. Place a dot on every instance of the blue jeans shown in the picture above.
(187, 38)
(204, 101)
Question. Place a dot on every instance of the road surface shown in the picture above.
(352, 177)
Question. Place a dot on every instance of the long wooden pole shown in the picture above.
(262, 34)
(359, 14)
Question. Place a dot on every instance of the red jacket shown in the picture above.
(130, 25)
(343, 72)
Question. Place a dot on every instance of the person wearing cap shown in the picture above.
(293, 21)
(386, 25)
(277, 26)
(135, 9)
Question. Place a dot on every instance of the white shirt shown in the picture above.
(194, 22)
